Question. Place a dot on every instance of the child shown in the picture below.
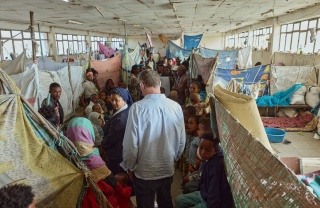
(187, 94)
(214, 187)
(192, 129)
(196, 102)
(122, 84)
(98, 122)
(162, 90)
(160, 69)
(123, 191)
(109, 112)
(102, 101)
(49, 113)
(17, 195)
(191, 181)
(187, 113)
(134, 89)
(195, 87)
(204, 125)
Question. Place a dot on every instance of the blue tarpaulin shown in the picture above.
(174, 51)
(191, 42)
(248, 76)
(227, 59)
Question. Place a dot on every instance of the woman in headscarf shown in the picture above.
(81, 134)
(115, 127)
(109, 86)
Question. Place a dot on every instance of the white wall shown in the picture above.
(213, 41)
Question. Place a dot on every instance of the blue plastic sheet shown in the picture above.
(227, 59)
(248, 76)
(191, 42)
(174, 51)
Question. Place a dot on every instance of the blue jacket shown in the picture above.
(114, 132)
(213, 185)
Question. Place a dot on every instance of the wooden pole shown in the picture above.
(40, 40)
(70, 81)
(34, 55)
(126, 51)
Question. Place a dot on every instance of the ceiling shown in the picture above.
(169, 17)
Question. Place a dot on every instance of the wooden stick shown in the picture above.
(34, 55)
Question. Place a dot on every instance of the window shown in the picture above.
(230, 41)
(243, 39)
(75, 43)
(261, 38)
(296, 37)
(95, 40)
(116, 43)
(15, 41)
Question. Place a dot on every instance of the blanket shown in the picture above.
(312, 180)
(282, 98)
(285, 122)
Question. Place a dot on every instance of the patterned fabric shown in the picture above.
(257, 178)
(81, 133)
(31, 154)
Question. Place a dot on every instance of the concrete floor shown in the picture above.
(302, 145)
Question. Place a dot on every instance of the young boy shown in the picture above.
(109, 111)
(102, 100)
(204, 126)
(214, 187)
(123, 191)
(17, 195)
(54, 96)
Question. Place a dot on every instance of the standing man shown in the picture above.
(154, 139)
(53, 101)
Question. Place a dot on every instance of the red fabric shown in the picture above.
(89, 201)
(279, 122)
(122, 195)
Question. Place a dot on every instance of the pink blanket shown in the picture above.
(109, 69)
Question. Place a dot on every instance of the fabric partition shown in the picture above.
(149, 42)
(56, 182)
(256, 177)
(245, 58)
(244, 109)
(17, 65)
(280, 81)
(28, 82)
(174, 51)
(202, 66)
(106, 50)
(191, 42)
(108, 69)
(248, 76)
(227, 59)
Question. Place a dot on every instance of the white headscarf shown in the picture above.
(94, 118)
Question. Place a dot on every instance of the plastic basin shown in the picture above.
(275, 135)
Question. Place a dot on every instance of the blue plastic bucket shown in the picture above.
(275, 135)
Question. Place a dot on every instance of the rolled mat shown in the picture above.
(244, 109)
